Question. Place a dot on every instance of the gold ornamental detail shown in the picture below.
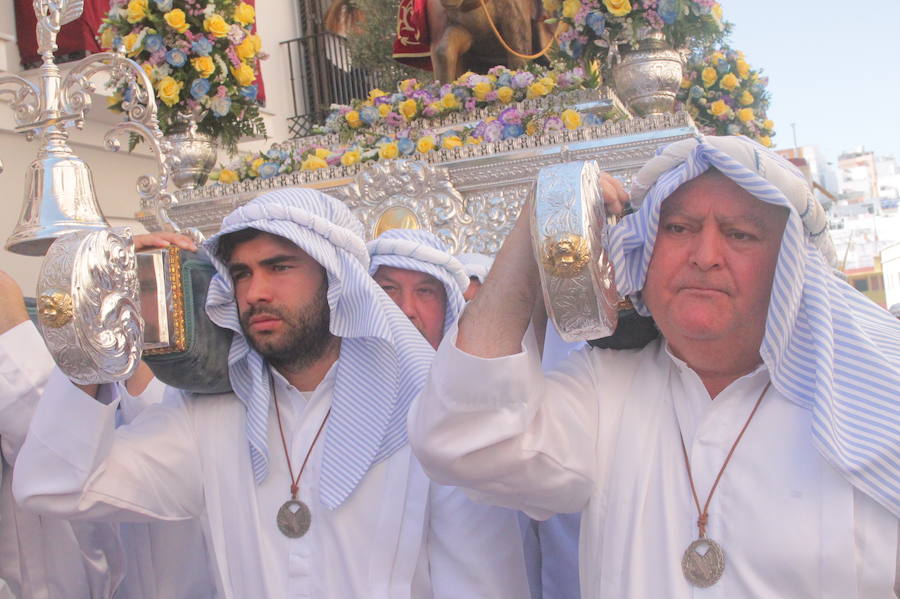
(565, 255)
(55, 309)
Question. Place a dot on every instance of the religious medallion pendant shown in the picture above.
(293, 519)
(703, 562)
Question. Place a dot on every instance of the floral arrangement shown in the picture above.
(510, 123)
(201, 57)
(725, 96)
(414, 101)
(597, 28)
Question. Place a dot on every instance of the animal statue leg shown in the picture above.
(517, 36)
(437, 22)
(455, 42)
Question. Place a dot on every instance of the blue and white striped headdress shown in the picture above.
(476, 265)
(414, 249)
(827, 346)
(383, 361)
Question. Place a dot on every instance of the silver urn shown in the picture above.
(195, 153)
(648, 77)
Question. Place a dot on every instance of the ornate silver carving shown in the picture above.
(648, 78)
(567, 229)
(194, 152)
(95, 275)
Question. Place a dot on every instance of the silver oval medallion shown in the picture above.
(293, 519)
(703, 563)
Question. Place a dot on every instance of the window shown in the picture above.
(861, 284)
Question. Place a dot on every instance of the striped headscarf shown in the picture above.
(383, 360)
(415, 249)
(476, 265)
(827, 346)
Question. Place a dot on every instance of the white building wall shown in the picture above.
(890, 265)
(115, 175)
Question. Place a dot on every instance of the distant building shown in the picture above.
(890, 270)
(858, 176)
(870, 281)
(820, 172)
(888, 172)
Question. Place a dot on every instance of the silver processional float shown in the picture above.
(102, 307)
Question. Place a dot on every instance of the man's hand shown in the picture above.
(12, 303)
(150, 241)
(614, 195)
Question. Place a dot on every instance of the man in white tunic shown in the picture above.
(303, 477)
(424, 280)
(43, 557)
(765, 356)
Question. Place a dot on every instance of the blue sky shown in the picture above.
(833, 68)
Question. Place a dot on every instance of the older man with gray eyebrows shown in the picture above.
(750, 451)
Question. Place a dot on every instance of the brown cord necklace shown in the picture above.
(703, 561)
(294, 517)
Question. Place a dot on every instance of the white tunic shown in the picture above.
(42, 556)
(602, 434)
(396, 536)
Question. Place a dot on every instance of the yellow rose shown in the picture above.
(715, 57)
(375, 93)
(449, 101)
(246, 49)
(551, 6)
(768, 124)
(131, 44)
(743, 68)
(243, 74)
(204, 66)
(746, 98)
(717, 11)
(136, 11)
(226, 175)
(384, 109)
(257, 42)
(425, 144)
(323, 153)
(350, 157)
(618, 8)
(729, 82)
(481, 90)
(745, 114)
(244, 13)
(531, 127)
(177, 20)
(169, 90)
(107, 38)
(766, 141)
(388, 151)
(435, 106)
(312, 162)
(151, 72)
(536, 90)
(473, 141)
(461, 80)
(685, 83)
(258, 162)
(505, 94)
(718, 108)
(409, 108)
(352, 119)
(709, 76)
(571, 119)
(570, 8)
(451, 141)
(215, 25)
(548, 82)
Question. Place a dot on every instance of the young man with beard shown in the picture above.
(302, 477)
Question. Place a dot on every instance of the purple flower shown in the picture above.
(422, 94)
(392, 119)
(522, 79)
(510, 116)
(553, 123)
(235, 34)
(470, 104)
(491, 96)
(429, 111)
(493, 131)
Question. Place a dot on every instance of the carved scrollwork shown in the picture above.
(96, 334)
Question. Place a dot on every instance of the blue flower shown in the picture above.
(461, 93)
(504, 80)
(200, 46)
(596, 21)
(573, 47)
(696, 92)
(220, 105)
(176, 57)
(369, 115)
(275, 154)
(163, 5)
(510, 131)
(406, 146)
(153, 43)
(668, 11)
(199, 88)
(268, 170)
(250, 92)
